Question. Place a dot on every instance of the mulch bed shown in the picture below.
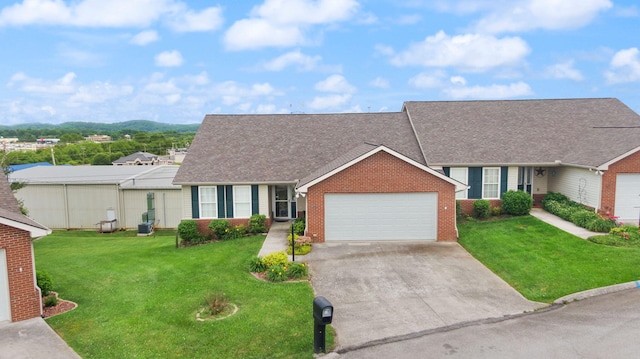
(63, 306)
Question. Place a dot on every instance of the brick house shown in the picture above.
(398, 175)
(20, 297)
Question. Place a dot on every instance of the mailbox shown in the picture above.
(322, 310)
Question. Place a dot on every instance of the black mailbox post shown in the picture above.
(322, 315)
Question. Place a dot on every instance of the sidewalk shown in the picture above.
(566, 226)
(276, 240)
(32, 338)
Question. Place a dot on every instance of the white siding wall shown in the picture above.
(186, 202)
(45, 203)
(167, 207)
(88, 204)
(512, 179)
(263, 199)
(580, 185)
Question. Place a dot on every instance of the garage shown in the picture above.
(380, 216)
(628, 197)
(5, 310)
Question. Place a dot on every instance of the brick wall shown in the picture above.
(203, 224)
(382, 173)
(23, 293)
(630, 164)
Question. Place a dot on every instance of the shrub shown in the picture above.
(220, 227)
(601, 224)
(482, 208)
(458, 209)
(555, 197)
(295, 238)
(582, 218)
(256, 265)
(50, 301)
(297, 270)
(496, 211)
(215, 303)
(44, 281)
(275, 259)
(188, 231)
(299, 226)
(516, 203)
(276, 273)
(257, 223)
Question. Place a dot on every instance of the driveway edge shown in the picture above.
(597, 291)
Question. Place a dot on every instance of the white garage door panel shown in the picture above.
(380, 216)
(5, 309)
(628, 197)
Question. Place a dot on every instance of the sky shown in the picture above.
(174, 61)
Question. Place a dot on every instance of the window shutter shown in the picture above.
(255, 205)
(229, 190)
(447, 171)
(220, 201)
(504, 173)
(195, 202)
(475, 181)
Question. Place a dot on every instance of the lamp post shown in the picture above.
(293, 243)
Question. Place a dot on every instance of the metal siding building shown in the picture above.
(68, 197)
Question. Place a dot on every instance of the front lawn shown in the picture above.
(138, 297)
(543, 262)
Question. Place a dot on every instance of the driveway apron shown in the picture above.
(386, 289)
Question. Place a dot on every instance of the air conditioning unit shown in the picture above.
(145, 228)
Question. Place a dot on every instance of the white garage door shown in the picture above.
(380, 216)
(5, 308)
(628, 197)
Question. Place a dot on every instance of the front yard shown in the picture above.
(138, 297)
(545, 263)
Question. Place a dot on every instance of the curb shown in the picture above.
(597, 291)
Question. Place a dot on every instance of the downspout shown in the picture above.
(65, 193)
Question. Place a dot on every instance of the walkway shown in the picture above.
(566, 226)
(276, 240)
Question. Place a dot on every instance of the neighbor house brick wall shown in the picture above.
(383, 173)
(23, 293)
(630, 164)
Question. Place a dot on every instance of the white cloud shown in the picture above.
(284, 23)
(294, 58)
(144, 38)
(471, 52)
(525, 15)
(426, 80)
(169, 59)
(517, 89)
(64, 85)
(458, 80)
(384, 50)
(624, 67)
(564, 70)
(112, 13)
(329, 101)
(380, 82)
(335, 83)
(409, 19)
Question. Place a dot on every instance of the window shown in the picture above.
(459, 174)
(491, 182)
(208, 203)
(242, 201)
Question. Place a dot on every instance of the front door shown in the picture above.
(282, 202)
(5, 308)
(525, 177)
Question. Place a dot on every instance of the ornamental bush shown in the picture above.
(297, 270)
(482, 208)
(256, 265)
(188, 231)
(276, 273)
(299, 226)
(220, 227)
(257, 223)
(44, 282)
(276, 258)
(516, 203)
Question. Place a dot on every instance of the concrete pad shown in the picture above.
(32, 338)
(385, 289)
(276, 240)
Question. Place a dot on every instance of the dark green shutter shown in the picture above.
(475, 181)
(294, 210)
(504, 171)
(229, 190)
(447, 171)
(255, 205)
(220, 190)
(195, 202)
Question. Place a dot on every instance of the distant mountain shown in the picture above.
(98, 128)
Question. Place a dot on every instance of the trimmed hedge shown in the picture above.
(516, 203)
(577, 213)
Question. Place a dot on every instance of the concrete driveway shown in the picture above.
(386, 289)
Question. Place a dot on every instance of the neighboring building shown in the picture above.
(20, 297)
(177, 155)
(99, 138)
(138, 159)
(381, 176)
(79, 197)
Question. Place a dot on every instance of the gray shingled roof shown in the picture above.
(9, 208)
(142, 156)
(286, 148)
(587, 132)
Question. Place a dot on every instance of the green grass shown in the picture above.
(138, 296)
(545, 263)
